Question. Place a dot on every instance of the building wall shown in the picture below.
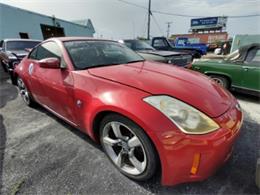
(14, 20)
(242, 40)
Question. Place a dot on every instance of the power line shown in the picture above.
(192, 16)
(184, 15)
(136, 5)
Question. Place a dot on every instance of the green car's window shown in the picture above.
(253, 57)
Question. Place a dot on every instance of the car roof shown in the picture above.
(62, 39)
(6, 40)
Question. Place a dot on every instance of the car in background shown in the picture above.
(149, 119)
(12, 51)
(181, 59)
(162, 43)
(240, 70)
(184, 43)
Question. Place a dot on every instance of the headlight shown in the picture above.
(188, 119)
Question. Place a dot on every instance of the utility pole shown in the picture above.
(149, 20)
(168, 28)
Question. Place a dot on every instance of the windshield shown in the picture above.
(171, 42)
(87, 54)
(138, 45)
(21, 45)
(233, 56)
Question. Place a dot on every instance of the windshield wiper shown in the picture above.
(133, 61)
(101, 65)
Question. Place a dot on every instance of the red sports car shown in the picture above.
(147, 116)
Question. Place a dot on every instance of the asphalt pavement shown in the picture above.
(40, 154)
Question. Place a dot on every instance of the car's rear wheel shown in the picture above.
(25, 94)
(221, 80)
(128, 147)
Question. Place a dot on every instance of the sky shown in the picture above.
(115, 19)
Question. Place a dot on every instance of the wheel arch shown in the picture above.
(227, 76)
(96, 125)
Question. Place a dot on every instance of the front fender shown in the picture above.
(218, 73)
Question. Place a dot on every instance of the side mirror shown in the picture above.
(50, 63)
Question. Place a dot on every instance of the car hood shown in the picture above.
(157, 78)
(18, 53)
(161, 53)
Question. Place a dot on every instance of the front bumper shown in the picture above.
(207, 152)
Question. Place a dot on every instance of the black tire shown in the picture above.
(28, 100)
(13, 78)
(151, 154)
(221, 80)
(197, 54)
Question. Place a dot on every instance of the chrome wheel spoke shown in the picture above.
(124, 148)
(110, 141)
(118, 159)
(136, 163)
(134, 142)
(23, 91)
(116, 129)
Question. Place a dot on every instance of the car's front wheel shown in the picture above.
(221, 80)
(128, 147)
(25, 94)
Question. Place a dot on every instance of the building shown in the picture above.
(208, 25)
(207, 38)
(20, 23)
(210, 30)
(242, 40)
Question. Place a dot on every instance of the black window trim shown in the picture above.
(42, 44)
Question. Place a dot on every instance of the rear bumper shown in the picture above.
(213, 150)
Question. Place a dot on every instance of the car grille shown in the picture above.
(181, 60)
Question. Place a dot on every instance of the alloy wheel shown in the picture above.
(23, 91)
(218, 81)
(124, 148)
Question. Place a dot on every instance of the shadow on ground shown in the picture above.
(7, 93)
(246, 97)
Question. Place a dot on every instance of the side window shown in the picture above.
(256, 59)
(159, 43)
(253, 57)
(1, 43)
(48, 50)
(33, 54)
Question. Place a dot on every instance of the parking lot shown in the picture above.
(41, 154)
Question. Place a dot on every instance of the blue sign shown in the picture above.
(211, 21)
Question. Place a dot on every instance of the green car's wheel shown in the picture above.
(221, 80)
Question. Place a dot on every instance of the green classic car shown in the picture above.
(240, 70)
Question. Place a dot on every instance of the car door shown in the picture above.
(57, 84)
(32, 73)
(251, 70)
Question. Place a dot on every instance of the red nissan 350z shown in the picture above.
(146, 115)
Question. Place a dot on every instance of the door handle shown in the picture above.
(246, 68)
